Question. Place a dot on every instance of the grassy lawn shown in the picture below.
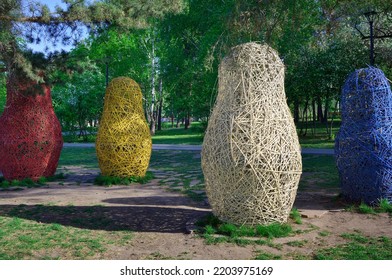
(85, 157)
(316, 137)
(319, 169)
(191, 136)
(27, 239)
(358, 247)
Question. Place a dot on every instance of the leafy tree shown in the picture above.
(38, 22)
(190, 55)
(78, 100)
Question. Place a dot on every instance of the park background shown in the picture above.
(173, 52)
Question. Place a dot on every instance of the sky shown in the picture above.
(41, 47)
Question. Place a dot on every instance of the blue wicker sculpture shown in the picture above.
(363, 147)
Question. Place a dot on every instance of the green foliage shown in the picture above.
(365, 209)
(382, 207)
(193, 135)
(324, 233)
(297, 243)
(267, 256)
(182, 42)
(78, 101)
(320, 170)
(296, 216)
(359, 247)
(274, 230)
(28, 182)
(73, 156)
(216, 231)
(57, 25)
(112, 180)
(385, 206)
(28, 239)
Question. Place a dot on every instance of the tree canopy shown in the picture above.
(173, 48)
(35, 22)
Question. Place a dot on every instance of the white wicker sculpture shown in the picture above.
(251, 157)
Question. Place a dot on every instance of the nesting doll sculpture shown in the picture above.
(30, 133)
(363, 146)
(123, 142)
(251, 156)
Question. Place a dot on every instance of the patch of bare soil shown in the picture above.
(161, 219)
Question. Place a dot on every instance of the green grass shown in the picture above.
(25, 239)
(324, 233)
(317, 137)
(366, 209)
(297, 243)
(295, 215)
(74, 138)
(75, 156)
(215, 231)
(191, 136)
(29, 183)
(267, 256)
(382, 207)
(320, 171)
(385, 206)
(358, 247)
(113, 180)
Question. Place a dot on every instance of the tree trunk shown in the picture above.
(187, 120)
(319, 110)
(325, 117)
(152, 107)
(305, 116)
(331, 136)
(178, 122)
(314, 116)
(160, 106)
(296, 112)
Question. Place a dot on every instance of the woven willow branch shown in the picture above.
(251, 156)
(123, 142)
(363, 146)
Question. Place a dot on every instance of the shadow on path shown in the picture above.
(132, 218)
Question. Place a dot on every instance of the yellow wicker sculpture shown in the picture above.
(251, 156)
(123, 142)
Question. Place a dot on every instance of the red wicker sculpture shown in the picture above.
(30, 133)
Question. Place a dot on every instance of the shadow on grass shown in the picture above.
(113, 218)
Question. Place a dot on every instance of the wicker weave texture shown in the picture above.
(363, 146)
(123, 142)
(30, 133)
(251, 156)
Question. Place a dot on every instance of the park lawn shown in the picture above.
(180, 136)
(315, 138)
(25, 238)
(320, 170)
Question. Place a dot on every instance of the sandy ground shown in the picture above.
(162, 219)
